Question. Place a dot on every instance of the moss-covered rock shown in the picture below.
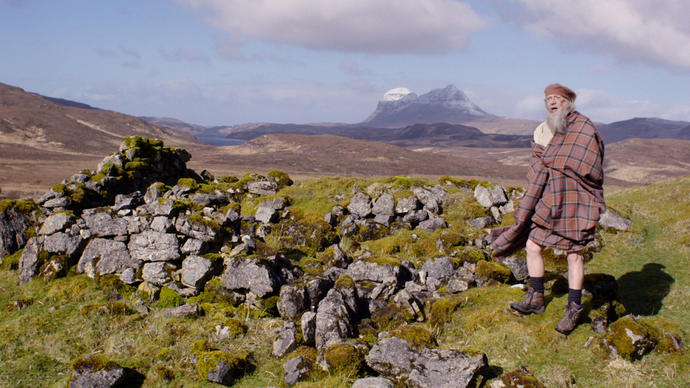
(491, 270)
(344, 358)
(441, 310)
(112, 284)
(416, 335)
(229, 327)
(222, 367)
(281, 178)
(631, 338)
(109, 308)
(520, 378)
(169, 298)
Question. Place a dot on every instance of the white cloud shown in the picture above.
(381, 26)
(631, 30)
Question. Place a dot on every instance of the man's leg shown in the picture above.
(574, 310)
(534, 300)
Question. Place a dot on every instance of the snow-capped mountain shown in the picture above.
(400, 107)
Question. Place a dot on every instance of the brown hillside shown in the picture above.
(319, 155)
(647, 161)
(28, 119)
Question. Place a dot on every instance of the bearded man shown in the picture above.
(562, 204)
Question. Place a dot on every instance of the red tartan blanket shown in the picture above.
(565, 189)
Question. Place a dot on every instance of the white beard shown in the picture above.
(557, 120)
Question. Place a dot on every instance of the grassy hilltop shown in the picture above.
(46, 326)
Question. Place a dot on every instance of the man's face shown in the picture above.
(554, 102)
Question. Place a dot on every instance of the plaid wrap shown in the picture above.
(564, 194)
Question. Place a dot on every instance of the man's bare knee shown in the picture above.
(533, 248)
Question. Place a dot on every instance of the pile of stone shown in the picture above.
(420, 210)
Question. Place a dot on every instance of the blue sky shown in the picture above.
(224, 62)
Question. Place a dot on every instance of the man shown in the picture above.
(562, 204)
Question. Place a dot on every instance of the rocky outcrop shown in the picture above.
(396, 359)
(96, 371)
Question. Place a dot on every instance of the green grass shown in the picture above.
(70, 318)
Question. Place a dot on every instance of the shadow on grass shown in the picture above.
(642, 292)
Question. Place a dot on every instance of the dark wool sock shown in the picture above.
(575, 296)
(537, 284)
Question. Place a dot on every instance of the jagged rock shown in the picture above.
(204, 199)
(496, 214)
(57, 222)
(195, 230)
(164, 208)
(266, 214)
(92, 372)
(360, 205)
(481, 222)
(102, 256)
(28, 264)
(222, 367)
(157, 273)
(153, 192)
(440, 268)
(308, 325)
(517, 266)
(412, 305)
(13, 226)
(456, 285)
(629, 338)
(610, 219)
(262, 188)
(186, 310)
(406, 205)
(317, 290)
(249, 274)
(193, 247)
(384, 205)
(432, 200)
(361, 270)
(154, 246)
(334, 318)
(62, 243)
(196, 271)
(507, 208)
(494, 195)
(286, 341)
(161, 224)
(433, 223)
(433, 368)
(373, 382)
(57, 203)
(102, 224)
(115, 160)
(415, 217)
(128, 201)
(295, 370)
(293, 301)
(136, 224)
(383, 219)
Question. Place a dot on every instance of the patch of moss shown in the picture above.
(469, 254)
(306, 352)
(188, 182)
(344, 358)
(94, 363)
(227, 179)
(517, 378)
(200, 219)
(620, 333)
(235, 327)
(390, 260)
(344, 281)
(169, 298)
(442, 309)
(11, 261)
(238, 363)
(54, 266)
(416, 335)
(281, 178)
(18, 205)
(112, 283)
(491, 270)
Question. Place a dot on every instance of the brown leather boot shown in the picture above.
(573, 313)
(532, 304)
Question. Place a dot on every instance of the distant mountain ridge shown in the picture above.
(644, 128)
(401, 107)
